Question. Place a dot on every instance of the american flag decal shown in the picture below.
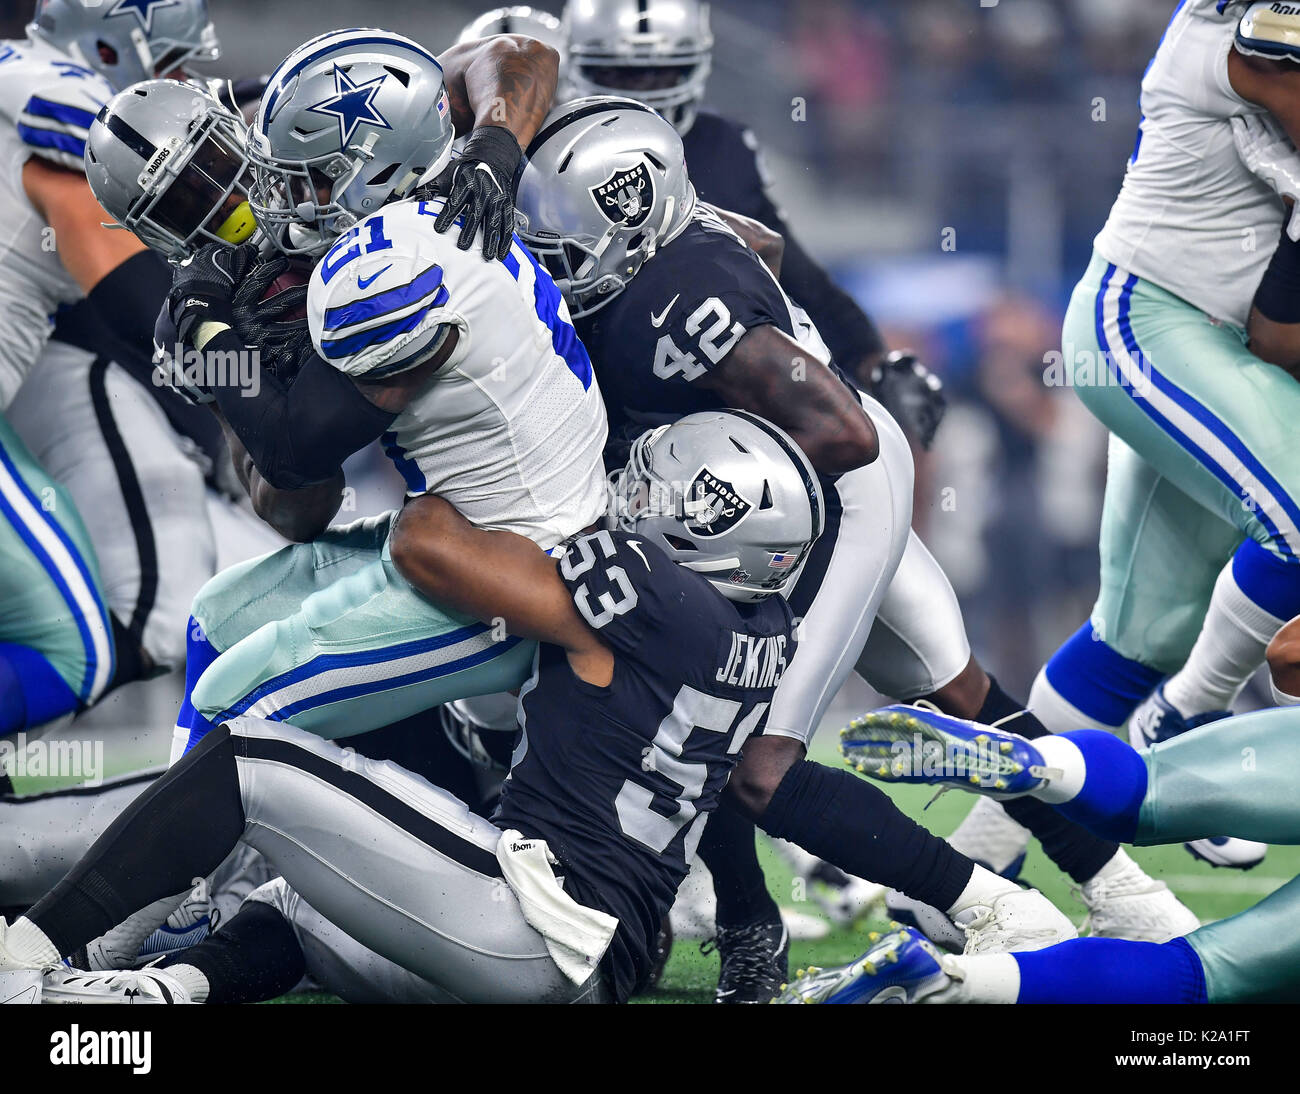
(784, 560)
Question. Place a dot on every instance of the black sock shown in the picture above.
(849, 822)
(6, 784)
(180, 828)
(254, 957)
(1072, 847)
(727, 849)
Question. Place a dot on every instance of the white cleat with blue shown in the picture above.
(900, 967)
(919, 744)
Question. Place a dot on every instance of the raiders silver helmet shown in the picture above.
(349, 121)
(727, 494)
(519, 19)
(167, 161)
(659, 52)
(128, 40)
(605, 186)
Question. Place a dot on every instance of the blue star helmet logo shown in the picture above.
(141, 9)
(352, 104)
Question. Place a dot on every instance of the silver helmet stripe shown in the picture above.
(591, 106)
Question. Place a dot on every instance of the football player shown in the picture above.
(93, 475)
(678, 315)
(1199, 535)
(1174, 791)
(660, 52)
(631, 724)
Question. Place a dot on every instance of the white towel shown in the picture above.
(576, 936)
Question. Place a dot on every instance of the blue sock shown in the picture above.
(1113, 789)
(1112, 970)
(1102, 683)
(199, 654)
(1270, 582)
(31, 692)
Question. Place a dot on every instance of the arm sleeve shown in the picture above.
(128, 297)
(298, 432)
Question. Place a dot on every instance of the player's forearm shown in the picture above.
(489, 575)
(1274, 324)
(507, 80)
(298, 515)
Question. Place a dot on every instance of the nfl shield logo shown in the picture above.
(626, 197)
(712, 506)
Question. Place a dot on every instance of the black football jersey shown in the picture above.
(726, 167)
(619, 780)
(679, 317)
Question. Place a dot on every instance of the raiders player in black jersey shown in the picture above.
(663, 642)
(659, 52)
(679, 315)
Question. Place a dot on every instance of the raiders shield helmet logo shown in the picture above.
(712, 505)
(626, 197)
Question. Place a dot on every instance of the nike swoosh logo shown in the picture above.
(657, 321)
(366, 282)
(635, 544)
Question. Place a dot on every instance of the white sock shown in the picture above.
(180, 738)
(984, 978)
(191, 979)
(1064, 755)
(1056, 712)
(983, 888)
(27, 942)
(1229, 648)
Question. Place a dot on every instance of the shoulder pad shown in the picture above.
(1270, 30)
(378, 302)
(51, 103)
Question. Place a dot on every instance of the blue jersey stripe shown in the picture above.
(380, 304)
(355, 343)
(327, 661)
(59, 112)
(354, 691)
(546, 300)
(410, 470)
(48, 138)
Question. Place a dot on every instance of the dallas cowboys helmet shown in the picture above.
(349, 121)
(727, 494)
(128, 40)
(658, 52)
(605, 186)
(167, 161)
(519, 19)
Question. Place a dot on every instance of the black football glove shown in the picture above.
(911, 393)
(272, 324)
(480, 188)
(202, 288)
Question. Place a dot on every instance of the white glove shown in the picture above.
(1268, 152)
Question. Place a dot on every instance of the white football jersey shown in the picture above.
(1190, 217)
(510, 430)
(47, 102)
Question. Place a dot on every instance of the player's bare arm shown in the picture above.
(88, 250)
(507, 80)
(771, 374)
(494, 575)
(501, 88)
(298, 515)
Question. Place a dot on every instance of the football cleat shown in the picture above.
(1228, 851)
(755, 962)
(1123, 902)
(900, 967)
(928, 920)
(842, 898)
(1157, 720)
(1014, 921)
(919, 744)
(20, 981)
(155, 986)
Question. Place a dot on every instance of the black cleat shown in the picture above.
(755, 962)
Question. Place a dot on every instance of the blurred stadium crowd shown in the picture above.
(949, 161)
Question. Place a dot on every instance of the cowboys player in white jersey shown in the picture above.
(1199, 534)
